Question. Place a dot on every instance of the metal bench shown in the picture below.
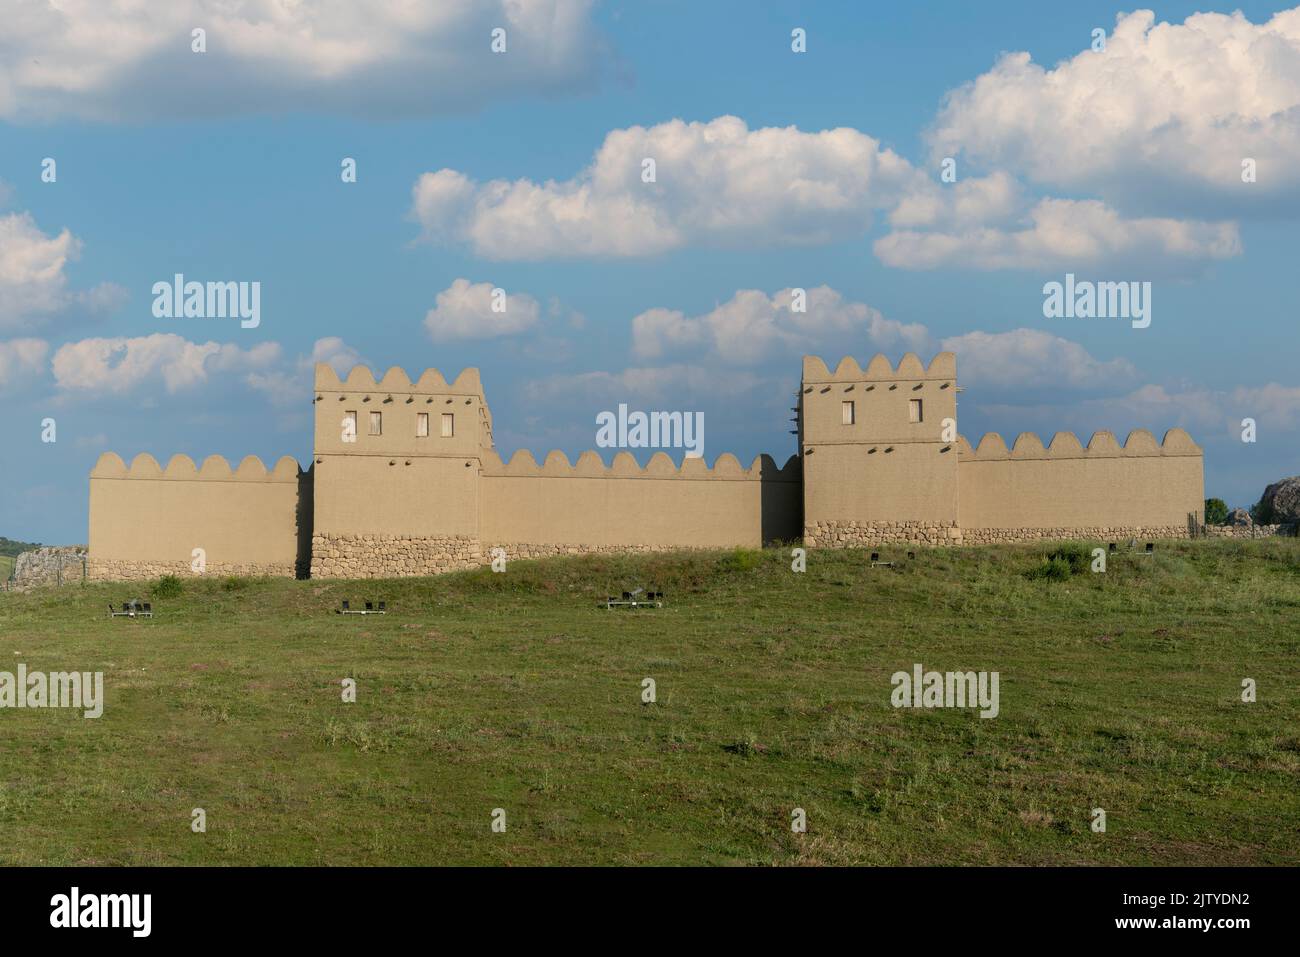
(652, 599)
(132, 609)
(370, 609)
(875, 560)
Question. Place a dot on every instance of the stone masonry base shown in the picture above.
(864, 534)
(111, 570)
(868, 534)
(391, 556)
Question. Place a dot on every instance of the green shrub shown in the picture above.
(1261, 513)
(741, 560)
(1077, 557)
(233, 583)
(1216, 511)
(1054, 569)
(169, 586)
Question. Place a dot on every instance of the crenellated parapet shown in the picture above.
(1066, 445)
(942, 366)
(467, 382)
(661, 466)
(181, 468)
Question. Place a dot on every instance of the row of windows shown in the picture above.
(421, 424)
(848, 413)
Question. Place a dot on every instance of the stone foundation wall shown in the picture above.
(391, 556)
(1248, 531)
(872, 534)
(113, 570)
(517, 550)
(865, 534)
(1118, 534)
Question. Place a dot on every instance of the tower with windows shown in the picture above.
(879, 450)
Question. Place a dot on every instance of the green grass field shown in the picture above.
(6, 567)
(477, 691)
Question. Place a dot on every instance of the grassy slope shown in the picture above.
(6, 566)
(479, 691)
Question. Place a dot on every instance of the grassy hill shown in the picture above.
(479, 691)
(12, 548)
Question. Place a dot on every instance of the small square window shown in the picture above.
(376, 423)
(448, 425)
(422, 425)
(846, 413)
(913, 410)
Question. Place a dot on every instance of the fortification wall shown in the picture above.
(146, 521)
(1142, 489)
(558, 508)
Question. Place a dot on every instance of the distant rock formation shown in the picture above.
(1239, 517)
(1281, 502)
(51, 565)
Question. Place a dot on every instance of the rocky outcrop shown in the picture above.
(51, 565)
(1281, 501)
(1239, 518)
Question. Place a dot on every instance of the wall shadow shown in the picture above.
(781, 494)
(305, 515)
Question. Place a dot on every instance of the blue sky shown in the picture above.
(494, 170)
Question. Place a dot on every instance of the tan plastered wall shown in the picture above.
(911, 483)
(147, 514)
(1142, 483)
(416, 497)
(624, 505)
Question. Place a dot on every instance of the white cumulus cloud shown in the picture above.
(121, 365)
(752, 326)
(130, 61)
(1067, 234)
(1165, 114)
(1033, 358)
(464, 310)
(716, 184)
(34, 289)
